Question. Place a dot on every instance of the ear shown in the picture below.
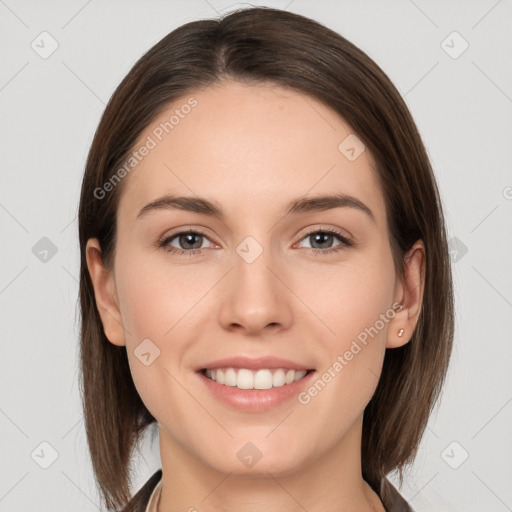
(105, 294)
(408, 293)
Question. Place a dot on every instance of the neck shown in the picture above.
(329, 482)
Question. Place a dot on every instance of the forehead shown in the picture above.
(251, 148)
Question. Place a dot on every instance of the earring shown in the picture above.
(400, 332)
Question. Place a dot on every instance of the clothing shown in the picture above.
(155, 497)
(140, 500)
(146, 499)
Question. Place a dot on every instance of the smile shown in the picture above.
(243, 378)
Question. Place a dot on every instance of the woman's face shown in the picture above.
(266, 283)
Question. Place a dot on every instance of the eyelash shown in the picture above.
(162, 243)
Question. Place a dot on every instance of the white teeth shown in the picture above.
(229, 377)
(299, 374)
(278, 379)
(245, 379)
(261, 379)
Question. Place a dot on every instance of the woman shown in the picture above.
(264, 273)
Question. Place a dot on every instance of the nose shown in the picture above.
(255, 297)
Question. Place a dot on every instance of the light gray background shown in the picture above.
(49, 109)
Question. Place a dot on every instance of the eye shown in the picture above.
(190, 240)
(324, 237)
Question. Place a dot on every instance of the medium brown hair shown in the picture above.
(257, 46)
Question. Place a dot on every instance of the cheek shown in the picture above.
(355, 306)
(157, 304)
(156, 296)
(350, 298)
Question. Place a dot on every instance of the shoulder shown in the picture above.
(139, 502)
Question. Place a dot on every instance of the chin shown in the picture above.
(255, 459)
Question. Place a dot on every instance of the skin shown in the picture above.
(253, 149)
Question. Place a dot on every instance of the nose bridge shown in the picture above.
(256, 297)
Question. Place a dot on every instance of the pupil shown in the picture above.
(190, 236)
(318, 237)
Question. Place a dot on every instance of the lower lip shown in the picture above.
(255, 400)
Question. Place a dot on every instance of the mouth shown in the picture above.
(247, 379)
(253, 383)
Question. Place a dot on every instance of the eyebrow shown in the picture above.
(300, 205)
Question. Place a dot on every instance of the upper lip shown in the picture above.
(252, 363)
